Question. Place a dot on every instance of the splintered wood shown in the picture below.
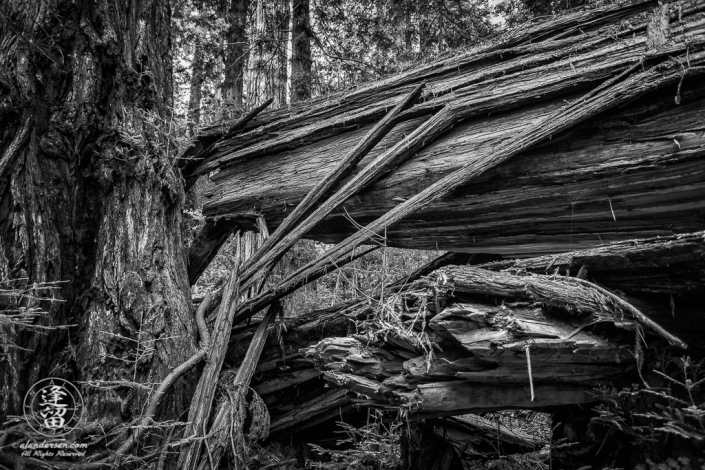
(635, 171)
(455, 341)
(458, 340)
(293, 389)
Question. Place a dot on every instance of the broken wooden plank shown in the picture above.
(301, 219)
(208, 242)
(203, 397)
(226, 421)
(193, 156)
(672, 264)
(453, 398)
(569, 294)
(560, 196)
(322, 405)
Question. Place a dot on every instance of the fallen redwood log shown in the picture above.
(466, 339)
(290, 384)
(632, 172)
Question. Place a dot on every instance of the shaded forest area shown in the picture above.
(404, 234)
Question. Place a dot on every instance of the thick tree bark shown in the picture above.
(88, 199)
(236, 51)
(301, 55)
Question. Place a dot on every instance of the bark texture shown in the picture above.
(236, 54)
(194, 102)
(88, 198)
(301, 47)
(630, 172)
(445, 348)
(282, 17)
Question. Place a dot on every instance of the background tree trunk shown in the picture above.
(236, 51)
(301, 57)
(89, 197)
(281, 26)
(194, 105)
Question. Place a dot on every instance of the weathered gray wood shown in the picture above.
(282, 372)
(453, 398)
(193, 156)
(294, 225)
(338, 113)
(208, 242)
(218, 441)
(331, 400)
(672, 264)
(480, 355)
(558, 197)
(204, 394)
(576, 209)
(604, 97)
(570, 294)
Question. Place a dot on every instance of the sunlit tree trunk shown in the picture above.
(89, 196)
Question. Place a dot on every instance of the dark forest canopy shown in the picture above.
(145, 142)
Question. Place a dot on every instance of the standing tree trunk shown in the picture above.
(235, 52)
(281, 79)
(301, 55)
(439, 15)
(88, 197)
(194, 105)
(259, 67)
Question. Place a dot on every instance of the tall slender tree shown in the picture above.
(281, 66)
(196, 88)
(236, 51)
(301, 50)
(90, 198)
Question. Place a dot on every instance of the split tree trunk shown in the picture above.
(86, 199)
(620, 177)
(632, 172)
